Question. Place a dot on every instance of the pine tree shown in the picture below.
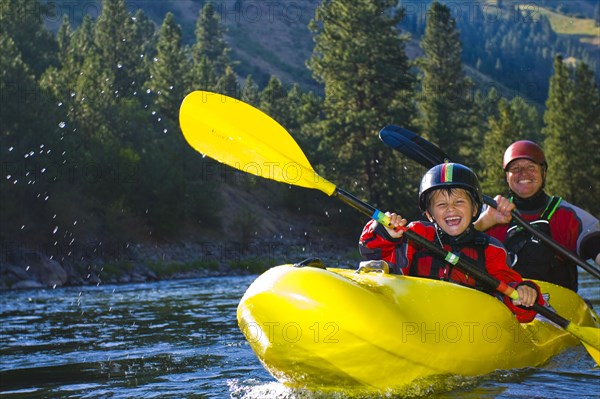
(63, 38)
(30, 143)
(516, 120)
(228, 84)
(587, 115)
(210, 41)
(559, 129)
(360, 58)
(203, 75)
(571, 135)
(22, 21)
(250, 94)
(444, 97)
(120, 42)
(144, 42)
(82, 44)
(483, 108)
(273, 102)
(169, 69)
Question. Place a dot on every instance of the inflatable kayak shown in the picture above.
(315, 327)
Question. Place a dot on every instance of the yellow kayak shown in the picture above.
(319, 328)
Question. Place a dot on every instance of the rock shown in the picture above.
(24, 268)
(26, 284)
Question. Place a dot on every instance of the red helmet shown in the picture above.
(524, 149)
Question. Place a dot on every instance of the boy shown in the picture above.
(450, 196)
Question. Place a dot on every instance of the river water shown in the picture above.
(179, 339)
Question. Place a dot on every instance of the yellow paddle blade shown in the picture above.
(590, 338)
(241, 136)
(594, 353)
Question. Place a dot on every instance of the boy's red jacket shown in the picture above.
(410, 259)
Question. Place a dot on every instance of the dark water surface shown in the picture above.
(179, 339)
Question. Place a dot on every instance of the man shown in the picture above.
(575, 229)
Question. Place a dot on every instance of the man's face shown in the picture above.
(525, 178)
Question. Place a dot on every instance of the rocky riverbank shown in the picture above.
(26, 268)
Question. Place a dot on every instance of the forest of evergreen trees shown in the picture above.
(90, 143)
(513, 43)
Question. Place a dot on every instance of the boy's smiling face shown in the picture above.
(452, 210)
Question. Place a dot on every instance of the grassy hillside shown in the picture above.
(568, 18)
(267, 38)
(272, 38)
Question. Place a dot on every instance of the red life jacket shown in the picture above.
(534, 259)
(471, 248)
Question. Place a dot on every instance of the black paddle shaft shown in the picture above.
(429, 155)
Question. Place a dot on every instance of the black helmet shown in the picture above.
(450, 175)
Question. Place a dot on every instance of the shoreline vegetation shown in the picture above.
(26, 268)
